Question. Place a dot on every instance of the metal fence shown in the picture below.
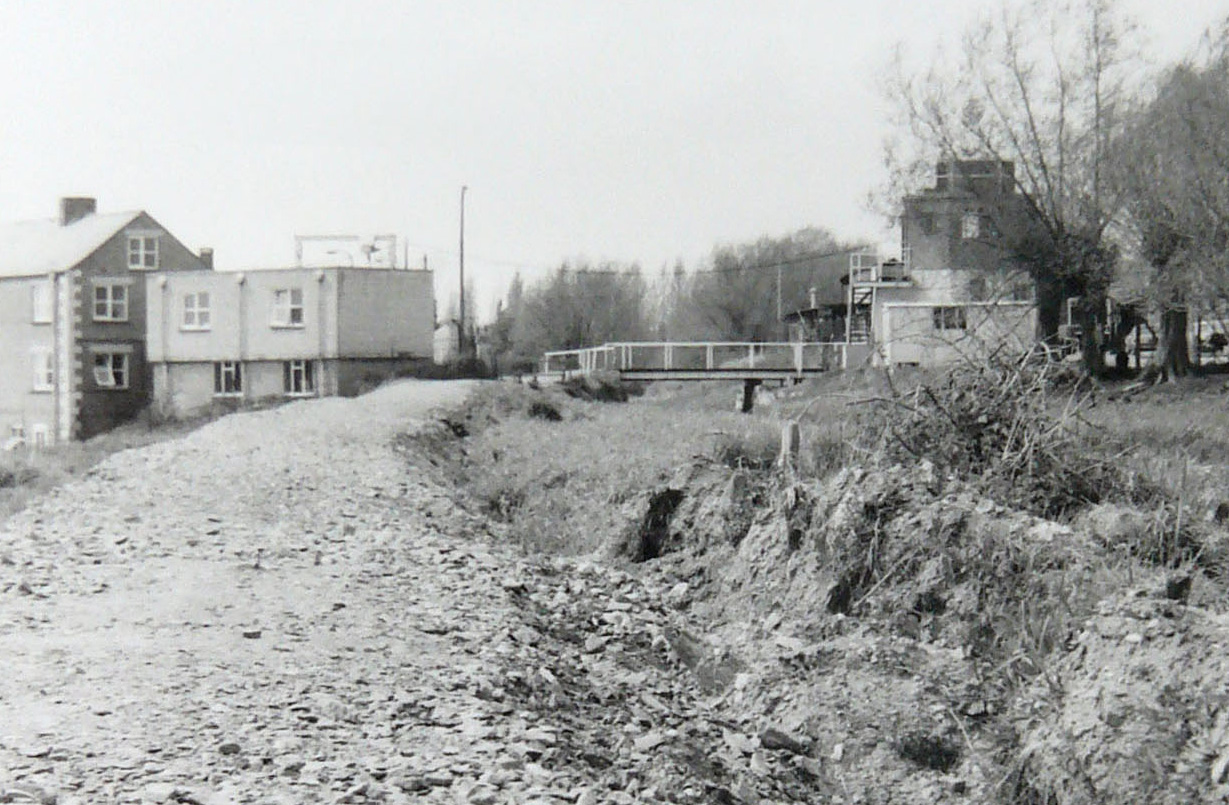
(709, 357)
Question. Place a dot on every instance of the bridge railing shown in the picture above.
(698, 356)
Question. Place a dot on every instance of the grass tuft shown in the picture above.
(749, 449)
(540, 409)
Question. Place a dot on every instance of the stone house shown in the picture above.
(72, 319)
(219, 340)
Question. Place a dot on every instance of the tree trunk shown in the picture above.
(1050, 299)
(1172, 355)
(1123, 322)
(1092, 341)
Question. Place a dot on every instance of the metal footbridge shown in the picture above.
(700, 360)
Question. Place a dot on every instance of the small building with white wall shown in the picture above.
(225, 339)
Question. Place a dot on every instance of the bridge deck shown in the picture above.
(700, 360)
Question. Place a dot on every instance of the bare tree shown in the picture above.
(1042, 85)
(507, 357)
(581, 305)
(668, 315)
(743, 290)
(1176, 180)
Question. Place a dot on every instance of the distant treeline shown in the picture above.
(732, 295)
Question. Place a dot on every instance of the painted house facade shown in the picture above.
(223, 339)
(72, 319)
(959, 290)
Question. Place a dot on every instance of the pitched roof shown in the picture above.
(30, 248)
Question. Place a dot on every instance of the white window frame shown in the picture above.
(42, 361)
(40, 302)
(114, 309)
(196, 312)
(224, 370)
(143, 251)
(105, 366)
(299, 378)
(970, 226)
(287, 312)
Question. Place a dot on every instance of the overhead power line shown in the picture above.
(735, 269)
(802, 258)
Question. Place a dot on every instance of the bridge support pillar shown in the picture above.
(749, 395)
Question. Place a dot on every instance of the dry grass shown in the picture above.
(560, 486)
(1006, 426)
(32, 473)
(999, 426)
(1176, 435)
(932, 539)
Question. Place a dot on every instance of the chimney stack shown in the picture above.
(207, 257)
(74, 208)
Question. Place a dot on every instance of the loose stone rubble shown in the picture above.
(1136, 710)
(281, 607)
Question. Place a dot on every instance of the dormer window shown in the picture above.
(142, 251)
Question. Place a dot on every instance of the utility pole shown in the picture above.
(461, 315)
(779, 320)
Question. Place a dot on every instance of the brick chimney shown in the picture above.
(207, 257)
(74, 208)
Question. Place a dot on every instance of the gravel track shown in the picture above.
(255, 612)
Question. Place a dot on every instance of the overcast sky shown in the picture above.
(628, 131)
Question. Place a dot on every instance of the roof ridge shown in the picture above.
(51, 219)
(42, 245)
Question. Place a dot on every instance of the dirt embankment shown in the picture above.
(894, 633)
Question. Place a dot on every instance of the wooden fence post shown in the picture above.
(791, 441)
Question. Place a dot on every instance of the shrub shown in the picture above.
(540, 409)
(13, 477)
(996, 423)
(600, 388)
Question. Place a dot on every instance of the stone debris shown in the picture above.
(1123, 704)
(402, 655)
(776, 739)
(18, 792)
